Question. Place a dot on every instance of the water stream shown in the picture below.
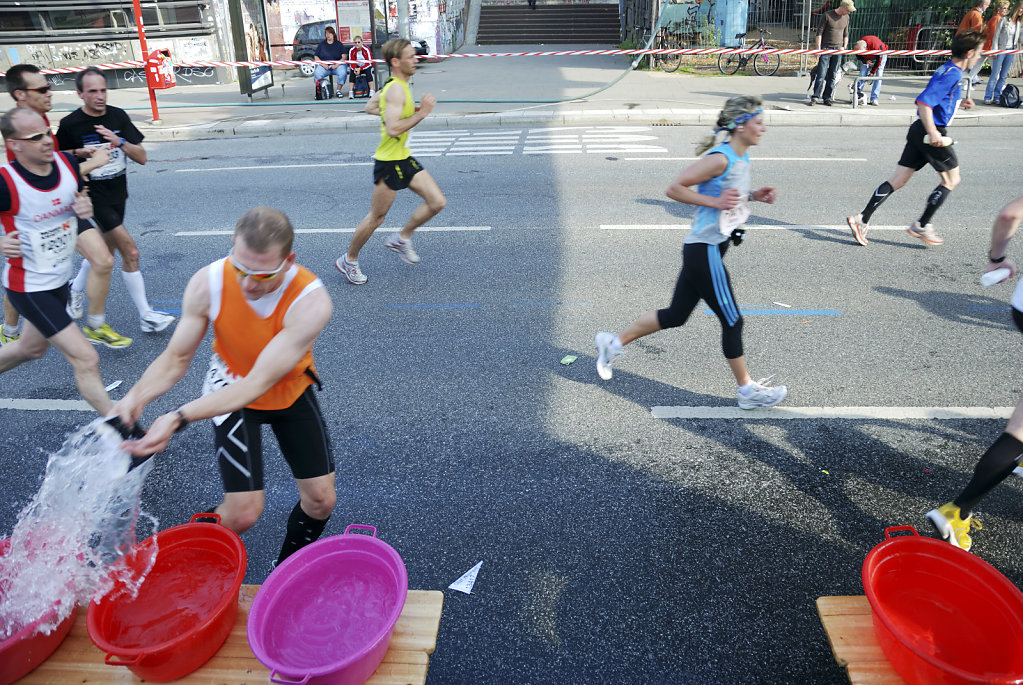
(67, 539)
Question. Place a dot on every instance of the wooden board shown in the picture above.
(849, 625)
(415, 637)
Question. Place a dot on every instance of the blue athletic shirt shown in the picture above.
(943, 93)
(737, 175)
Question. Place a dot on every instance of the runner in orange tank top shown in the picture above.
(266, 312)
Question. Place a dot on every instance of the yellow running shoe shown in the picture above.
(105, 335)
(4, 338)
(951, 527)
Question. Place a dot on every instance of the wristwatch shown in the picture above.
(123, 141)
(996, 261)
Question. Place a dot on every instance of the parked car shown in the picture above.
(310, 35)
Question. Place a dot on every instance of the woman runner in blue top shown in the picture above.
(723, 192)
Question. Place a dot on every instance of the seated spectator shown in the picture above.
(361, 63)
(871, 65)
(331, 50)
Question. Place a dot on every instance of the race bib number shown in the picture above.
(52, 248)
(731, 219)
(117, 165)
(218, 376)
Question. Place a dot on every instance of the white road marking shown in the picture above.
(344, 230)
(749, 227)
(275, 166)
(853, 413)
(755, 159)
(44, 405)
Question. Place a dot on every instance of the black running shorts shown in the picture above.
(301, 433)
(46, 309)
(917, 153)
(397, 174)
(109, 216)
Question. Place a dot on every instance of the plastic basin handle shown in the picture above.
(109, 660)
(205, 515)
(360, 526)
(899, 529)
(276, 677)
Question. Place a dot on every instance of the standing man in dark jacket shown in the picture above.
(832, 34)
(331, 50)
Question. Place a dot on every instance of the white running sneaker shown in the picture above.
(76, 306)
(762, 395)
(605, 354)
(403, 247)
(155, 321)
(1018, 471)
(351, 271)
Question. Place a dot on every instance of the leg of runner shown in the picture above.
(858, 222)
(348, 263)
(151, 321)
(240, 510)
(11, 318)
(434, 201)
(923, 229)
(31, 345)
(85, 362)
(317, 497)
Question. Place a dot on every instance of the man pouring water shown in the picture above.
(266, 312)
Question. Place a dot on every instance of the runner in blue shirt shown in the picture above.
(936, 107)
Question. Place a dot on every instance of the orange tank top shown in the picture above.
(240, 334)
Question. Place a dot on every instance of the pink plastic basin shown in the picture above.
(941, 615)
(325, 616)
(26, 649)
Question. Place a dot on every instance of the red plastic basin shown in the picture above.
(185, 608)
(325, 616)
(26, 649)
(942, 616)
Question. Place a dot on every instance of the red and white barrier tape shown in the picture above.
(556, 53)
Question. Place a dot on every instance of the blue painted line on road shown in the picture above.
(438, 305)
(988, 308)
(785, 312)
(553, 304)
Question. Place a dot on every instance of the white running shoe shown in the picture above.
(1018, 471)
(155, 321)
(605, 354)
(76, 306)
(403, 247)
(762, 395)
(351, 271)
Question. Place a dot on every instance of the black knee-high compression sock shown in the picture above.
(994, 467)
(302, 530)
(883, 192)
(934, 200)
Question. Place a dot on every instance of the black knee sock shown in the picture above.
(882, 193)
(302, 530)
(994, 467)
(934, 200)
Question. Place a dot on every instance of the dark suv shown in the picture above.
(310, 35)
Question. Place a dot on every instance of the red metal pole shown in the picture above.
(145, 54)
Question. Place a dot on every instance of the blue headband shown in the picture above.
(741, 119)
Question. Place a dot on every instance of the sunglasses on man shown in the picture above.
(42, 90)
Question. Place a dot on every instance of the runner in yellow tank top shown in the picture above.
(395, 167)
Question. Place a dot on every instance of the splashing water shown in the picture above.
(78, 524)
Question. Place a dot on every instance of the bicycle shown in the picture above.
(764, 65)
(674, 36)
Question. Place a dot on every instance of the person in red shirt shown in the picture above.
(974, 21)
(871, 65)
(360, 61)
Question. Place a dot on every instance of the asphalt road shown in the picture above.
(616, 547)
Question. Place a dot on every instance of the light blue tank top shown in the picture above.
(737, 175)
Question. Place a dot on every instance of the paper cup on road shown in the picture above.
(994, 277)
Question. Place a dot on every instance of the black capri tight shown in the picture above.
(703, 276)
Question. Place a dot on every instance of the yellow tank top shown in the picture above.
(392, 149)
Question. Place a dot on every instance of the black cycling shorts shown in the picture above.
(45, 309)
(109, 216)
(397, 174)
(301, 433)
(917, 153)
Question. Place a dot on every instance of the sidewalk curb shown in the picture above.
(656, 117)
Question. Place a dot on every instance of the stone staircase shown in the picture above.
(548, 24)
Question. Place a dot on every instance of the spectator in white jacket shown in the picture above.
(1006, 37)
(360, 62)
